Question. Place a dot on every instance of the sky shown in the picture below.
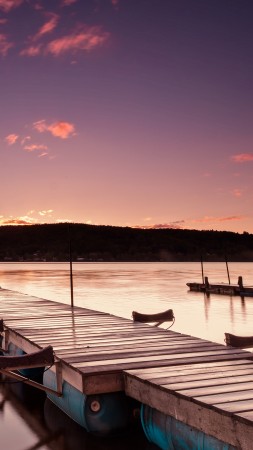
(127, 113)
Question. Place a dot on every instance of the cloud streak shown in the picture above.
(85, 38)
(5, 45)
(33, 147)
(242, 157)
(60, 129)
(28, 219)
(48, 26)
(11, 139)
(210, 219)
(8, 5)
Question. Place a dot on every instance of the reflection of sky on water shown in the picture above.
(29, 421)
(118, 289)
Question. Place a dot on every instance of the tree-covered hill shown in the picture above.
(106, 243)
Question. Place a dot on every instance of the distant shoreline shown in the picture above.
(50, 243)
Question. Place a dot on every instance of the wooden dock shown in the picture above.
(178, 374)
(222, 288)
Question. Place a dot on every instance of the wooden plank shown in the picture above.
(114, 348)
(248, 415)
(218, 389)
(195, 414)
(96, 369)
(201, 378)
(190, 368)
(216, 399)
(219, 382)
(168, 357)
(237, 406)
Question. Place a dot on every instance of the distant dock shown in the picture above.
(222, 288)
(104, 362)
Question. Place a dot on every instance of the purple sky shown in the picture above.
(127, 112)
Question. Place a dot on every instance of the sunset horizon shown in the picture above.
(129, 114)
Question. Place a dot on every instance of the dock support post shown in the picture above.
(227, 270)
(206, 282)
(202, 269)
(240, 283)
(71, 272)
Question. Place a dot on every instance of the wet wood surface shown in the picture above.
(95, 347)
(215, 397)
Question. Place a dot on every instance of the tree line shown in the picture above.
(51, 242)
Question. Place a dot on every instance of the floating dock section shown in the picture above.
(222, 288)
(104, 363)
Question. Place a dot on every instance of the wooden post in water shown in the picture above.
(71, 271)
(227, 269)
(202, 270)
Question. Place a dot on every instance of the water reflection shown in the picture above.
(36, 423)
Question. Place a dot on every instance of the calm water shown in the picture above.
(28, 422)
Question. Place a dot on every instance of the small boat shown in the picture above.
(238, 341)
(165, 316)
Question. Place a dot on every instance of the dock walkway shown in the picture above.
(195, 380)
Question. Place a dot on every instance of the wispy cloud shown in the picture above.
(242, 157)
(115, 3)
(25, 220)
(175, 224)
(32, 50)
(25, 139)
(11, 139)
(60, 129)
(84, 38)
(7, 5)
(33, 147)
(30, 218)
(211, 219)
(68, 2)
(48, 26)
(5, 45)
(3, 21)
(237, 193)
(47, 212)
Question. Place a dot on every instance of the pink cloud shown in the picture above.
(237, 193)
(46, 212)
(3, 21)
(40, 126)
(242, 157)
(7, 5)
(33, 50)
(26, 138)
(176, 225)
(11, 139)
(17, 221)
(68, 2)
(84, 39)
(60, 129)
(210, 219)
(33, 147)
(115, 3)
(28, 219)
(48, 27)
(5, 45)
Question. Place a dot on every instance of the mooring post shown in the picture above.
(240, 282)
(202, 270)
(71, 271)
(227, 270)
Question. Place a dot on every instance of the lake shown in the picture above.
(27, 421)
